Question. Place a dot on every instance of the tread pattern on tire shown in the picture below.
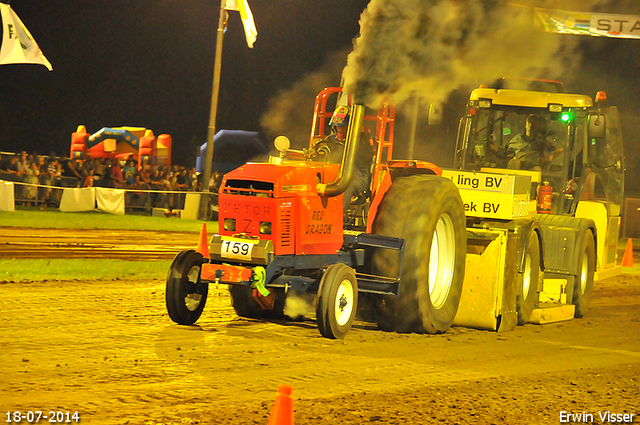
(581, 300)
(525, 305)
(174, 291)
(325, 317)
(410, 210)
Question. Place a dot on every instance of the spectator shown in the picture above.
(165, 183)
(130, 174)
(144, 178)
(143, 181)
(116, 173)
(191, 179)
(146, 166)
(23, 169)
(30, 193)
(181, 184)
(89, 179)
(215, 181)
(156, 184)
(55, 181)
(106, 179)
(71, 175)
(23, 164)
(175, 170)
(98, 168)
(48, 172)
(10, 166)
(87, 168)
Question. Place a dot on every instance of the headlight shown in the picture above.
(265, 227)
(230, 224)
(554, 107)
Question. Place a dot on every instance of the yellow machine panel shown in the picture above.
(482, 300)
(490, 182)
(492, 195)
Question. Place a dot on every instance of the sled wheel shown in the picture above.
(185, 294)
(527, 285)
(583, 286)
(427, 212)
(337, 301)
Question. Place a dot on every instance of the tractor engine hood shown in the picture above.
(278, 180)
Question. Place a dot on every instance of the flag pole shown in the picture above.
(208, 156)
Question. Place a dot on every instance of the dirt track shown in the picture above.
(108, 350)
(17, 242)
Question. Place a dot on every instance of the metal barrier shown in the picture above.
(136, 199)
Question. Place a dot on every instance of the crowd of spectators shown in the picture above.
(144, 183)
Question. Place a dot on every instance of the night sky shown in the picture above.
(149, 63)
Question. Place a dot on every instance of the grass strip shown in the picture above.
(34, 218)
(18, 270)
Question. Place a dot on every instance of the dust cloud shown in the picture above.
(291, 111)
(299, 305)
(439, 50)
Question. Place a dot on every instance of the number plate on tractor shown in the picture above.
(237, 249)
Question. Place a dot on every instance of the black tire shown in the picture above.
(583, 286)
(245, 305)
(416, 208)
(527, 285)
(184, 288)
(337, 301)
(243, 302)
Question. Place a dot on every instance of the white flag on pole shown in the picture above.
(250, 31)
(18, 46)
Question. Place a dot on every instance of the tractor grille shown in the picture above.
(285, 226)
(249, 188)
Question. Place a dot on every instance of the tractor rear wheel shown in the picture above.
(427, 212)
(583, 286)
(527, 289)
(185, 294)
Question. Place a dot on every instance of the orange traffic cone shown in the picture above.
(203, 242)
(627, 260)
(282, 411)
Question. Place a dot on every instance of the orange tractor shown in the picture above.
(400, 245)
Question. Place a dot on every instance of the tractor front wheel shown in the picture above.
(186, 294)
(337, 301)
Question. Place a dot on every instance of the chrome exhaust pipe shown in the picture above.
(348, 158)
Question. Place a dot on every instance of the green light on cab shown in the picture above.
(565, 117)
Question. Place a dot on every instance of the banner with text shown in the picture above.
(585, 23)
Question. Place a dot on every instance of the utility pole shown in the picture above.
(208, 157)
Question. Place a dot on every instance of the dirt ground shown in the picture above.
(108, 350)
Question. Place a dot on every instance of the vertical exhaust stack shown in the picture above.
(348, 158)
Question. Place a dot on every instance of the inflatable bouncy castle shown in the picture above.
(121, 142)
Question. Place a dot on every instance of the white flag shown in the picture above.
(250, 31)
(18, 46)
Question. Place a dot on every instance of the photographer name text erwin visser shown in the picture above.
(605, 417)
